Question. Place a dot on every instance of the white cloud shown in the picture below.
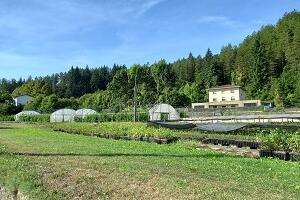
(147, 6)
(259, 22)
(215, 19)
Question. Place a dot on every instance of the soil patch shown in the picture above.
(6, 195)
(244, 151)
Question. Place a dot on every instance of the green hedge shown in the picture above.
(35, 118)
(116, 117)
(7, 118)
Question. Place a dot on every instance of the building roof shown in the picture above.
(224, 87)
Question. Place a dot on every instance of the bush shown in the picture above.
(7, 118)
(137, 129)
(280, 140)
(164, 117)
(294, 142)
(183, 114)
(35, 118)
(115, 117)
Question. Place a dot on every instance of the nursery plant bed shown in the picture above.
(124, 137)
(227, 142)
(265, 153)
(282, 155)
(295, 156)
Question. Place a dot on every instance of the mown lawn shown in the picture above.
(51, 165)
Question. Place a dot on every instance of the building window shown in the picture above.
(214, 99)
(223, 98)
(232, 98)
(232, 91)
(250, 104)
(214, 92)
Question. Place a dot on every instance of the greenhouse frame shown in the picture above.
(156, 112)
(82, 113)
(63, 115)
(25, 113)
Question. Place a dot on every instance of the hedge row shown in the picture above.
(137, 129)
(7, 118)
(123, 137)
(116, 117)
(35, 118)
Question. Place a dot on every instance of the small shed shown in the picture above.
(26, 113)
(22, 100)
(157, 112)
(85, 112)
(63, 115)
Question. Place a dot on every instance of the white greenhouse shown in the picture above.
(63, 115)
(26, 113)
(85, 112)
(157, 111)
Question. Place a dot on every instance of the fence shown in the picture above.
(247, 119)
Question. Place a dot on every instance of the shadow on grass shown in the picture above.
(207, 155)
(7, 128)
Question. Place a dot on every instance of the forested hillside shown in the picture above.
(266, 64)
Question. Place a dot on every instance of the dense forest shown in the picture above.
(266, 65)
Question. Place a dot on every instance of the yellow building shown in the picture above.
(227, 96)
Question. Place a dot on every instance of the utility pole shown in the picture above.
(134, 100)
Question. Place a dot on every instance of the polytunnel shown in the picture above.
(26, 113)
(85, 112)
(163, 110)
(63, 115)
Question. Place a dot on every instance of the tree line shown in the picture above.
(266, 65)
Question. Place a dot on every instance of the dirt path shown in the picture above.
(231, 150)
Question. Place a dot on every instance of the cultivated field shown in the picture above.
(44, 164)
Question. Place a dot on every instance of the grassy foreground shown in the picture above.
(51, 165)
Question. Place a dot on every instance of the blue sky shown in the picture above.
(41, 37)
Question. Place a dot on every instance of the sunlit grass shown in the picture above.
(53, 165)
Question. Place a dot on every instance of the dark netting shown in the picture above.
(172, 125)
(220, 127)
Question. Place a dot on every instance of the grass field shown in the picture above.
(51, 165)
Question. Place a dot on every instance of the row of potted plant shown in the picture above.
(281, 144)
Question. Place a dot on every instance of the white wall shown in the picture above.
(226, 93)
(22, 100)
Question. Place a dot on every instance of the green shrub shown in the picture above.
(280, 140)
(7, 118)
(164, 117)
(117, 128)
(183, 114)
(115, 117)
(294, 142)
(35, 118)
